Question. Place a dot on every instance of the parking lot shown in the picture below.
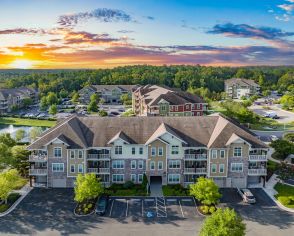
(151, 208)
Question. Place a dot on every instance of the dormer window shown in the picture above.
(118, 150)
(57, 152)
(237, 152)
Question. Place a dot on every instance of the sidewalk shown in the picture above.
(23, 192)
(271, 192)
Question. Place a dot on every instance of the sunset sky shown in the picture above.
(109, 33)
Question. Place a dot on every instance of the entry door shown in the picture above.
(59, 183)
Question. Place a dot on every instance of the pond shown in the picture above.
(11, 129)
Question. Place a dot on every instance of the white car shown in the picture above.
(246, 195)
(274, 138)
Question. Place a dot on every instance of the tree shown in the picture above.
(223, 223)
(75, 96)
(9, 180)
(283, 148)
(53, 109)
(102, 113)
(92, 107)
(43, 103)
(27, 102)
(7, 140)
(94, 97)
(266, 93)
(19, 134)
(35, 132)
(63, 93)
(287, 101)
(20, 160)
(126, 99)
(87, 187)
(51, 98)
(5, 156)
(206, 191)
(289, 137)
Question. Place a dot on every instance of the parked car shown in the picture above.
(246, 195)
(101, 205)
(274, 137)
(270, 114)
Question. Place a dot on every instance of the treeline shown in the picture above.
(184, 77)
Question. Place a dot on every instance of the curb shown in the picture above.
(281, 206)
(15, 204)
(74, 211)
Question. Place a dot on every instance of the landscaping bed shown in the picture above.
(12, 198)
(285, 194)
(86, 207)
(174, 190)
(205, 210)
(126, 189)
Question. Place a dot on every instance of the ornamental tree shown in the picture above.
(223, 223)
(206, 191)
(87, 187)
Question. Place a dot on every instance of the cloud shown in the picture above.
(149, 17)
(125, 31)
(287, 7)
(100, 14)
(185, 25)
(24, 31)
(248, 31)
(86, 37)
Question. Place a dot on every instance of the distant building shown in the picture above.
(109, 93)
(10, 98)
(237, 88)
(154, 100)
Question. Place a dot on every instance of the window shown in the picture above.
(80, 168)
(213, 154)
(72, 168)
(198, 106)
(221, 168)
(133, 151)
(153, 151)
(118, 150)
(160, 165)
(160, 151)
(222, 153)
(175, 150)
(57, 167)
(80, 154)
(213, 168)
(140, 164)
(152, 165)
(133, 178)
(237, 152)
(176, 108)
(140, 150)
(118, 164)
(118, 178)
(57, 152)
(187, 106)
(140, 178)
(174, 164)
(236, 167)
(173, 178)
(133, 164)
(72, 154)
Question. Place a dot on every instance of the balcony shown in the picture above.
(38, 158)
(98, 157)
(257, 158)
(257, 172)
(99, 170)
(199, 157)
(195, 171)
(38, 172)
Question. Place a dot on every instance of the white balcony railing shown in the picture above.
(195, 156)
(99, 170)
(37, 158)
(257, 172)
(257, 158)
(195, 171)
(98, 156)
(38, 172)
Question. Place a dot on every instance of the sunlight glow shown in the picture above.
(22, 64)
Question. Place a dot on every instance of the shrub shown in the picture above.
(204, 209)
(90, 205)
(212, 209)
(3, 208)
(128, 184)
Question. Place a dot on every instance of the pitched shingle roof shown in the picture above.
(241, 81)
(85, 132)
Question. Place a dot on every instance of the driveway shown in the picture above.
(262, 218)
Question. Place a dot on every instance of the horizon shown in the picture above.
(86, 35)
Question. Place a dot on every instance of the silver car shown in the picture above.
(246, 195)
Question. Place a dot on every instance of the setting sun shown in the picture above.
(22, 64)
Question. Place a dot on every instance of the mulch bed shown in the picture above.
(86, 207)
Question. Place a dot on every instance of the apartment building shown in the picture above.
(176, 149)
(10, 98)
(109, 93)
(237, 88)
(154, 100)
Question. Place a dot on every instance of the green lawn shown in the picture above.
(26, 122)
(216, 107)
(268, 124)
(285, 194)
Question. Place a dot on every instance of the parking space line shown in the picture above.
(142, 208)
(195, 207)
(181, 208)
(127, 201)
(111, 207)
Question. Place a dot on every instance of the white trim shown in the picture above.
(54, 152)
(219, 168)
(57, 164)
(213, 172)
(171, 182)
(82, 168)
(132, 175)
(133, 161)
(153, 162)
(237, 171)
(160, 162)
(160, 148)
(139, 164)
(118, 181)
(220, 153)
(74, 169)
(234, 152)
